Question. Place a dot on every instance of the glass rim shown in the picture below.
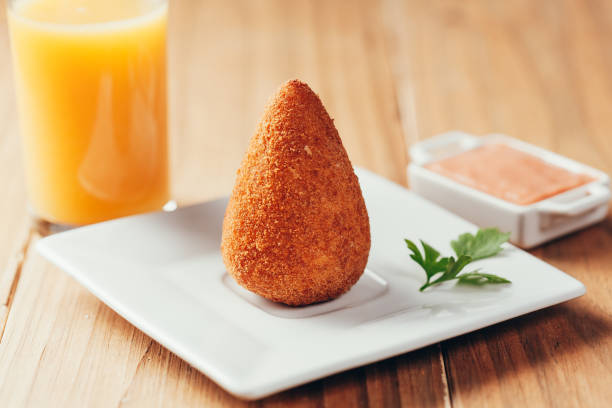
(157, 9)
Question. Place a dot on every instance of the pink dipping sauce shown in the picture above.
(508, 173)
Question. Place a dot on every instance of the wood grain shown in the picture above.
(13, 211)
(537, 71)
(390, 72)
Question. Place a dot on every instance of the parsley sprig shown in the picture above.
(487, 242)
(468, 247)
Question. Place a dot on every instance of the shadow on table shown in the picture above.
(570, 336)
(413, 379)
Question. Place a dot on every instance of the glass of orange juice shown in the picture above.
(91, 89)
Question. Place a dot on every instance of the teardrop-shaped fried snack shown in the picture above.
(296, 229)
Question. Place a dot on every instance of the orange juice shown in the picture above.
(91, 88)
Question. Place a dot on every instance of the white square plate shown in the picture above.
(163, 272)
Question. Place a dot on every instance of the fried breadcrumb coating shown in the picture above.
(296, 229)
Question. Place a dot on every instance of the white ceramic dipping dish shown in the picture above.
(530, 225)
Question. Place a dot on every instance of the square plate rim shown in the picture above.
(245, 390)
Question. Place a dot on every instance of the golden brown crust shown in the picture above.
(296, 229)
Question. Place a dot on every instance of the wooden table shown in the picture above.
(390, 73)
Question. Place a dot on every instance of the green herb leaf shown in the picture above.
(431, 263)
(479, 279)
(487, 242)
(452, 270)
(468, 247)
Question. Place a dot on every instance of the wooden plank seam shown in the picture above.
(15, 265)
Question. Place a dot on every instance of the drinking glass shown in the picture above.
(90, 80)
